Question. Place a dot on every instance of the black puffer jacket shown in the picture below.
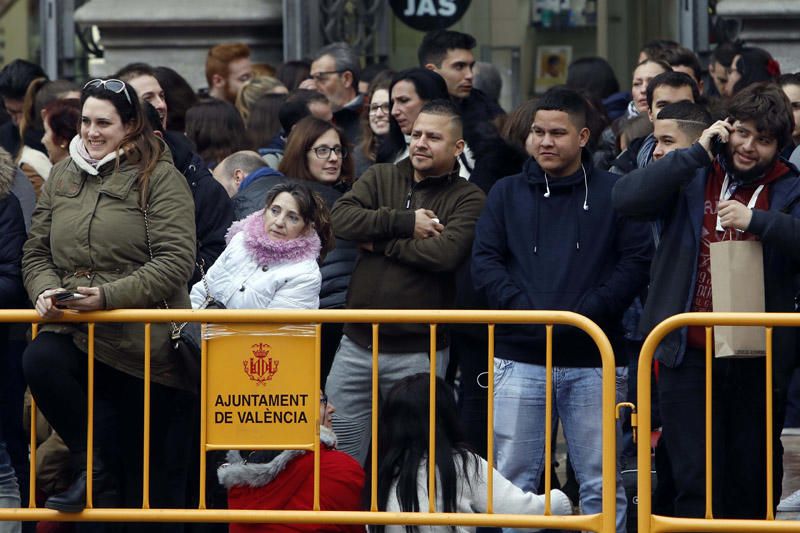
(213, 209)
(12, 237)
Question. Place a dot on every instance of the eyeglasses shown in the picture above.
(322, 76)
(115, 86)
(324, 152)
(383, 108)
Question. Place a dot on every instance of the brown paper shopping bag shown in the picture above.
(737, 285)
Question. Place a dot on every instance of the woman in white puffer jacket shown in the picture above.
(270, 261)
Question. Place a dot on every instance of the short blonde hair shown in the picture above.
(252, 91)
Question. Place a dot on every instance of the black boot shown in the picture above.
(73, 499)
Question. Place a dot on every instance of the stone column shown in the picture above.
(773, 25)
(178, 33)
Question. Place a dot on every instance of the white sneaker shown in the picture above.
(559, 503)
(790, 504)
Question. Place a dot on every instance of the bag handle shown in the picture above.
(725, 195)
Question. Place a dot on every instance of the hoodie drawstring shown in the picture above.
(578, 225)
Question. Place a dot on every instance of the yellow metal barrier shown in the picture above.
(603, 522)
(650, 523)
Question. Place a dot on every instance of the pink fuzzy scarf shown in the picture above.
(267, 251)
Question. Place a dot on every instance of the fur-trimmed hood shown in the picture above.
(237, 471)
(270, 252)
(8, 171)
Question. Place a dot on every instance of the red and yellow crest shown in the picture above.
(260, 367)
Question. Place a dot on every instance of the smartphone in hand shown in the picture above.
(62, 297)
(717, 143)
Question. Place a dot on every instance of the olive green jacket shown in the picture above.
(88, 230)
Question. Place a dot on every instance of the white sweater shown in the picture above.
(237, 280)
(473, 496)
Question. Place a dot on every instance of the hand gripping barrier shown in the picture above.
(603, 522)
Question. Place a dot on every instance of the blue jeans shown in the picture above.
(349, 389)
(519, 410)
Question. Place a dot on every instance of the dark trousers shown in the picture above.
(470, 353)
(56, 371)
(738, 436)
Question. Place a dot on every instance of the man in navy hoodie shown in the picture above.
(549, 239)
(700, 195)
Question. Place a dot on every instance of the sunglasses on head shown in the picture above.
(115, 86)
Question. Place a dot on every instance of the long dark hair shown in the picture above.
(312, 208)
(429, 86)
(403, 443)
(755, 65)
(369, 141)
(141, 147)
(216, 129)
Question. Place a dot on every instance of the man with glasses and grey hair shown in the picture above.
(335, 71)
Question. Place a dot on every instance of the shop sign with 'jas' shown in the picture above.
(427, 15)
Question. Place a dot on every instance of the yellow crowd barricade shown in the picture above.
(650, 523)
(603, 522)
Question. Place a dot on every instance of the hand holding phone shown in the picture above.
(716, 136)
(66, 296)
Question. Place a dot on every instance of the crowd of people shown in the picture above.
(322, 184)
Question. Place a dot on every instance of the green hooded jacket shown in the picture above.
(88, 230)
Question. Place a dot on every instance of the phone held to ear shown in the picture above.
(717, 143)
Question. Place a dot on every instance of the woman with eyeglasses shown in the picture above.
(113, 229)
(317, 152)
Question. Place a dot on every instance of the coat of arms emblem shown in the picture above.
(260, 367)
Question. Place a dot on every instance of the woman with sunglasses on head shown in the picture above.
(114, 229)
(317, 152)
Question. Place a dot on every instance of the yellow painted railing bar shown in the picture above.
(490, 423)
(578, 522)
(317, 400)
(33, 442)
(665, 524)
(90, 421)
(203, 414)
(709, 399)
(146, 422)
(373, 499)
(609, 457)
(649, 523)
(255, 446)
(770, 436)
(548, 419)
(597, 522)
(432, 424)
(297, 316)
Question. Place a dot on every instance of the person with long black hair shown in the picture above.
(462, 475)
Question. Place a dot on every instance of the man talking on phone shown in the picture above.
(730, 184)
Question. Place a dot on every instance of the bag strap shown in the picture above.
(175, 328)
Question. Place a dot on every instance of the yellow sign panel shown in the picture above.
(261, 383)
